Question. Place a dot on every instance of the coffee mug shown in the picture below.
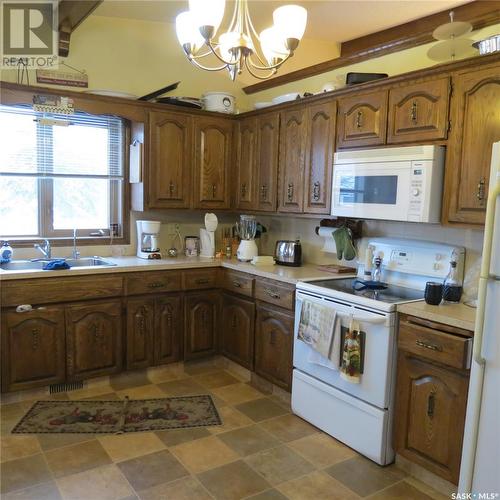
(433, 293)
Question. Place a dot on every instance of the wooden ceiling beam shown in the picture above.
(71, 14)
(479, 13)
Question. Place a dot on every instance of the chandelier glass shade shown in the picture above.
(239, 46)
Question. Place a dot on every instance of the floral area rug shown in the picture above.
(113, 417)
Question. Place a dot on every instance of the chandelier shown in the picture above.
(239, 46)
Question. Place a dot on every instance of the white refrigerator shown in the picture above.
(480, 469)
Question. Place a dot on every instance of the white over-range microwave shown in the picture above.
(402, 184)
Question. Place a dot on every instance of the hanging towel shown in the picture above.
(316, 327)
(350, 367)
(333, 361)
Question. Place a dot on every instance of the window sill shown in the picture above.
(65, 242)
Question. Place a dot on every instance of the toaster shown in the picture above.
(288, 253)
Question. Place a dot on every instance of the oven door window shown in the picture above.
(368, 189)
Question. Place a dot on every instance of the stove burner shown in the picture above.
(392, 294)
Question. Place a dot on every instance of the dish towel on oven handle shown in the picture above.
(350, 366)
(317, 327)
(333, 361)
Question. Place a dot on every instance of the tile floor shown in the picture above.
(262, 451)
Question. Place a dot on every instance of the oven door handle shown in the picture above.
(364, 319)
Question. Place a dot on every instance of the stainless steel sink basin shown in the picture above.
(27, 265)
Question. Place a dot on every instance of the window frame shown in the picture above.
(64, 237)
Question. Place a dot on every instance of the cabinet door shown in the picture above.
(267, 161)
(140, 332)
(246, 182)
(430, 415)
(94, 339)
(475, 126)
(293, 142)
(273, 345)
(201, 314)
(238, 321)
(362, 119)
(213, 137)
(33, 348)
(419, 111)
(168, 329)
(319, 162)
(170, 160)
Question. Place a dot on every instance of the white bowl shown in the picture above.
(286, 97)
(260, 105)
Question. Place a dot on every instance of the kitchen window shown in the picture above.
(59, 173)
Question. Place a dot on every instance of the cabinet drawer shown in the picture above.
(199, 279)
(448, 349)
(276, 293)
(238, 282)
(153, 282)
(63, 289)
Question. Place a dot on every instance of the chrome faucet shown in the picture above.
(376, 273)
(44, 248)
(75, 254)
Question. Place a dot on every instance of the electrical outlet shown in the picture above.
(172, 228)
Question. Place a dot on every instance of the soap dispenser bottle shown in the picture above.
(5, 252)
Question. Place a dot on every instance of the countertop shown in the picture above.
(129, 264)
(458, 315)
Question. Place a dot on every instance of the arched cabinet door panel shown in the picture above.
(246, 182)
(362, 119)
(419, 111)
(33, 347)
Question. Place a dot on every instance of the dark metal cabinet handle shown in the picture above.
(237, 284)
(263, 192)
(234, 322)
(272, 294)
(413, 112)
(481, 190)
(171, 189)
(316, 191)
(202, 281)
(156, 284)
(35, 338)
(214, 190)
(426, 345)
(272, 337)
(289, 191)
(359, 119)
(431, 404)
(243, 190)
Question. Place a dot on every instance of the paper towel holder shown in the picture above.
(355, 225)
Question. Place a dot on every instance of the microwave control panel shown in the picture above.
(417, 189)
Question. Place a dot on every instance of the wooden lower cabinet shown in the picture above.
(237, 329)
(33, 348)
(201, 312)
(154, 330)
(93, 339)
(274, 344)
(430, 415)
(168, 329)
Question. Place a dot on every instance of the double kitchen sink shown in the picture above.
(26, 265)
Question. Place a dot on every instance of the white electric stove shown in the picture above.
(360, 415)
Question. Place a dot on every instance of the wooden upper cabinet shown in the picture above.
(362, 119)
(267, 147)
(213, 138)
(246, 181)
(319, 161)
(33, 346)
(475, 126)
(419, 111)
(293, 143)
(93, 339)
(170, 159)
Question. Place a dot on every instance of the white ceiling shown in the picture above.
(328, 20)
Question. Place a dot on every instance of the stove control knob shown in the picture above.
(415, 192)
(437, 266)
(439, 256)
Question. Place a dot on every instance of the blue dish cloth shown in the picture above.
(55, 265)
